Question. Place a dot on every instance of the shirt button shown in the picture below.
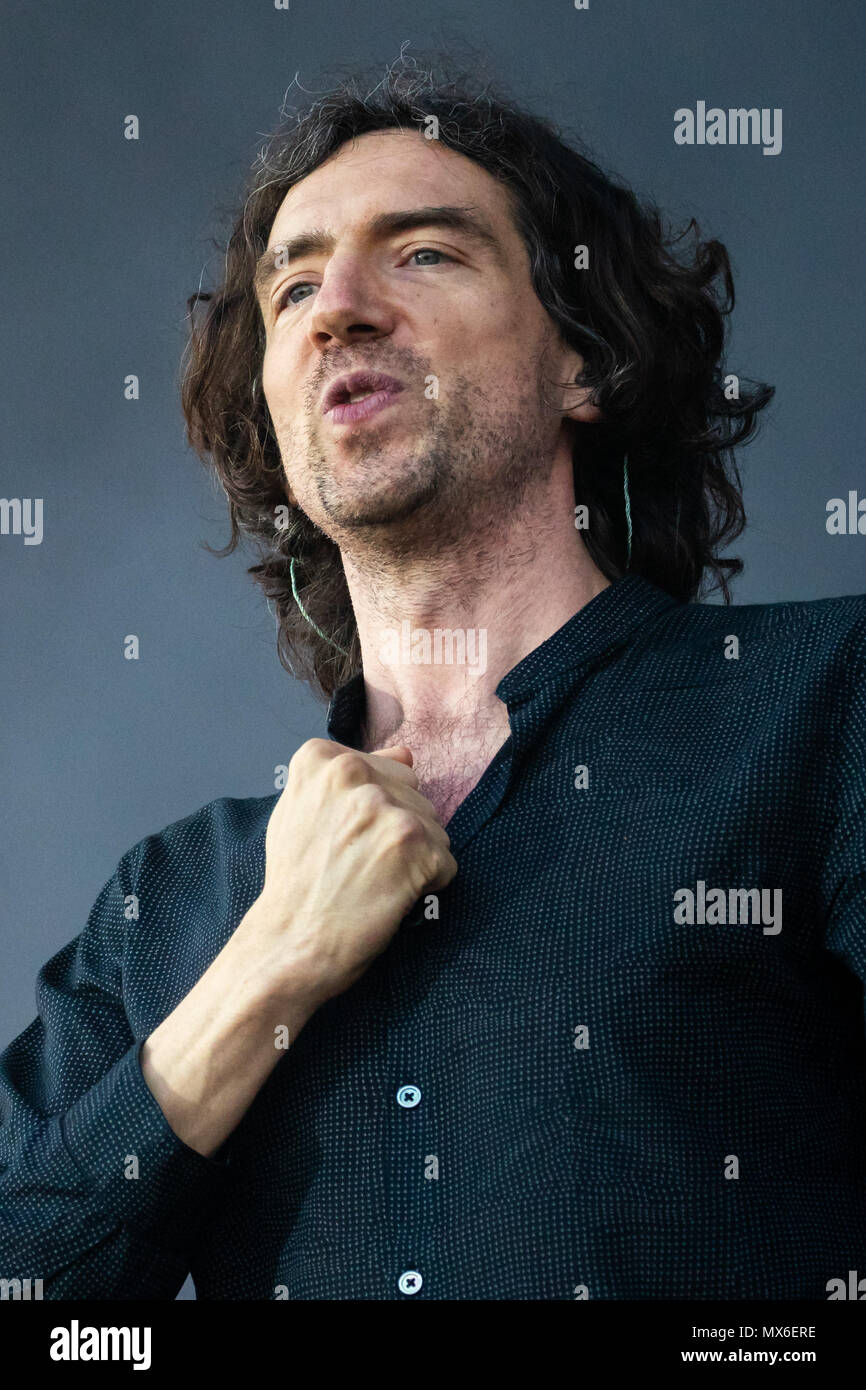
(410, 1281)
(408, 1096)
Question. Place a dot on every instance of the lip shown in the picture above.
(337, 405)
(353, 411)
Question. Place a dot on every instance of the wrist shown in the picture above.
(266, 972)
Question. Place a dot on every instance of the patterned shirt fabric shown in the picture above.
(620, 1056)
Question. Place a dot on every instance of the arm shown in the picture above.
(75, 1118)
(107, 1167)
(349, 847)
(208, 1059)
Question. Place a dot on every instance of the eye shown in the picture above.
(430, 251)
(287, 297)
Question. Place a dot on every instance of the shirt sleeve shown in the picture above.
(844, 877)
(99, 1198)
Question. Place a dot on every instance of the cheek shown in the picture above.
(273, 373)
(496, 340)
(286, 410)
(279, 376)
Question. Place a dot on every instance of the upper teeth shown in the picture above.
(359, 395)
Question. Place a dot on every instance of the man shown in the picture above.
(542, 978)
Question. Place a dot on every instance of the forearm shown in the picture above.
(208, 1059)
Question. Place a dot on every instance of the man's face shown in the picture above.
(445, 310)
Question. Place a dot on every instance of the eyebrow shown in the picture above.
(466, 220)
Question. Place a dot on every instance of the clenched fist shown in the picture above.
(350, 846)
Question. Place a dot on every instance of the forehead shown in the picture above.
(385, 170)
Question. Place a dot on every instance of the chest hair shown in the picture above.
(449, 764)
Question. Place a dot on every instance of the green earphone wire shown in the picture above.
(305, 614)
(326, 638)
(627, 506)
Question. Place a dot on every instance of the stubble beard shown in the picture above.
(468, 476)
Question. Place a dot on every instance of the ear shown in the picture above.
(582, 410)
(575, 399)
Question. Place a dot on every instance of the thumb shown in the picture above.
(400, 754)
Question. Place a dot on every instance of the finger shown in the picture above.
(447, 870)
(397, 751)
(413, 800)
(395, 767)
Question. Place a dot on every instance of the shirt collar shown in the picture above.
(608, 622)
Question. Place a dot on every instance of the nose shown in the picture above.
(349, 306)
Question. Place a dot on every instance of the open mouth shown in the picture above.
(361, 407)
(359, 386)
(359, 395)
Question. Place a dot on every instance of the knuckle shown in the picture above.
(347, 770)
(313, 747)
(373, 794)
(369, 800)
(403, 829)
(308, 752)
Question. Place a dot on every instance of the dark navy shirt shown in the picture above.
(620, 1056)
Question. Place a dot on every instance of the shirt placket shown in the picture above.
(416, 1139)
(417, 1136)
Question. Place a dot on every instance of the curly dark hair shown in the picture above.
(647, 317)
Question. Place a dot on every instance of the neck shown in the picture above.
(486, 601)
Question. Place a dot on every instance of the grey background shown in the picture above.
(102, 240)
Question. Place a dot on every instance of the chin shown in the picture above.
(384, 507)
(367, 514)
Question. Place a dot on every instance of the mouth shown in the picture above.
(359, 395)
